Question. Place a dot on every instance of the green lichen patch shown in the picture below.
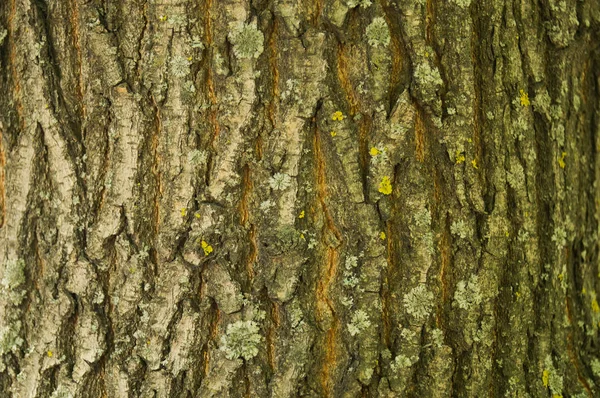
(460, 229)
(280, 181)
(10, 341)
(360, 321)
(14, 277)
(468, 294)
(241, 340)
(180, 66)
(419, 302)
(378, 33)
(402, 362)
(14, 274)
(551, 378)
(362, 3)
(247, 40)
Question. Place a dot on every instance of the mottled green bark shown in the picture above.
(283, 198)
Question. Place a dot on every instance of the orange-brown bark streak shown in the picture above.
(273, 65)
(212, 97)
(419, 135)
(76, 44)
(213, 328)
(2, 189)
(156, 165)
(247, 187)
(571, 351)
(342, 72)
(325, 306)
(271, 332)
(386, 296)
(13, 66)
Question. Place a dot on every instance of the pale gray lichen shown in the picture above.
(247, 40)
(347, 301)
(196, 42)
(295, 314)
(402, 362)
(180, 66)
(350, 280)
(437, 337)
(61, 392)
(468, 294)
(459, 228)
(189, 87)
(266, 205)
(595, 365)
(10, 341)
(197, 157)
(419, 302)
(241, 340)
(462, 3)
(362, 3)
(360, 321)
(3, 34)
(14, 274)
(293, 91)
(351, 262)
(559, 237)
(422, 217)
(378, 33)
(516, 176)
(408, 334)
(551, 378)
(280, 181)
(428, 76)
(14, 277)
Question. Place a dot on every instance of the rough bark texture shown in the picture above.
(283, 198)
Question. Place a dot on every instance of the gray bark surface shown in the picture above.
(290, 198)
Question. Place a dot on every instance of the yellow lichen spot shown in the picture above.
(595, 306)
(557, 396)
(197, 214)
(374, 151)
(190, 58)
(583, 291)
(474, 163)
(385, 186)
(460, 157)
(382, 235)
(524, 98)
(301, 215)
(469, 140)
(183, 212)
(206, 247)
(561, 277)
(50, 353)
(506, 233)
(561, 161)
(546, 377)
(333, 133)
(517, 295)
(338, 115)
(163, 18)
(148, 342)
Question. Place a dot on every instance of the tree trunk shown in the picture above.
(299, 198)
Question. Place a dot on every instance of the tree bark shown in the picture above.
(289, 198)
